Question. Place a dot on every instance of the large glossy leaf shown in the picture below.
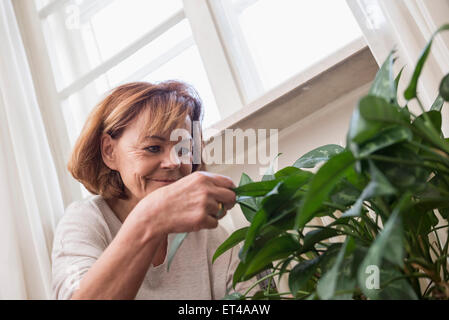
(428, 126)
(345, 194)
(399, 289)
(360, 130)
(256, 189)
(370, 117)
(401, 165)
(248, 205)
(301, 274)
(411, 91)
(385, 138)
(322, 184)
(315, 236)
(259, 220)
(379, 110)
(378, 186)
(235, 238)
(321, 154)
(275, 249)
(327, 284)
(444, 88)
(388, 245)
(384, 84)
(175, 244)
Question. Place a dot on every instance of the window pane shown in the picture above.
(145, 58)
(279, 39)
(82, 34)
(78, 44)
(124, 21)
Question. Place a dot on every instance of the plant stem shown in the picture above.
(421, 106)
(271, 275)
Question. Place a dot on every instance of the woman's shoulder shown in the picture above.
(83, 212)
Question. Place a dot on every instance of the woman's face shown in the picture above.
(151, 163)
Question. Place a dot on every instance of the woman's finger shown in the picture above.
(220, 180)
(225, 196)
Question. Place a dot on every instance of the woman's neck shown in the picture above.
(121, 207)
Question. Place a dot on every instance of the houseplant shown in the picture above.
(386, 194)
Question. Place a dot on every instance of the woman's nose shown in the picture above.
(170, 160)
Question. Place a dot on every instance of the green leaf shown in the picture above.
(244, 179)
(235, 238)
(428, 125)
(396, 82)
(176, 243)
(360, 130)
(315, 236)
(287, 172)
(388, 245)
(274, 249)
(301, 274)
(370, 117)
(322, 184)
(378, 186)
(259, 220)
(248, 205)
(379, 110)
(438, 104)
(384, 84)
(234, 296)
(256, 189)
(269, 174)
(345, 194)
(399, 289)
(321, 154)
(385, 138)
(411, 91)
(328, 282)
(444, 88)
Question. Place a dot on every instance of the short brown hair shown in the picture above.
(168, 103)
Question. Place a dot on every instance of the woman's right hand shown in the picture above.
(189, 204)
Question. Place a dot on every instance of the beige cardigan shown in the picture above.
(89, 225)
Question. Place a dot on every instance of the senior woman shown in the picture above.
(113, 244)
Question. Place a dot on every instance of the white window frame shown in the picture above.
(226, 86)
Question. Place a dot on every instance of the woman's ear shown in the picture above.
(108, 145)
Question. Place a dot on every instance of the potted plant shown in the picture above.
(386, 194)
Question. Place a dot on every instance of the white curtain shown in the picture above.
(407, 25)
(30, 197)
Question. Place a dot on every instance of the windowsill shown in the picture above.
(348, 69)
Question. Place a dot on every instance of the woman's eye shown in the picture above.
(153, 149)
(183, 151)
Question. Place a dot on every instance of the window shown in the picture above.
(231, 51)
(96, 45)
(270, 41)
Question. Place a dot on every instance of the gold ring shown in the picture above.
(220, 212)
